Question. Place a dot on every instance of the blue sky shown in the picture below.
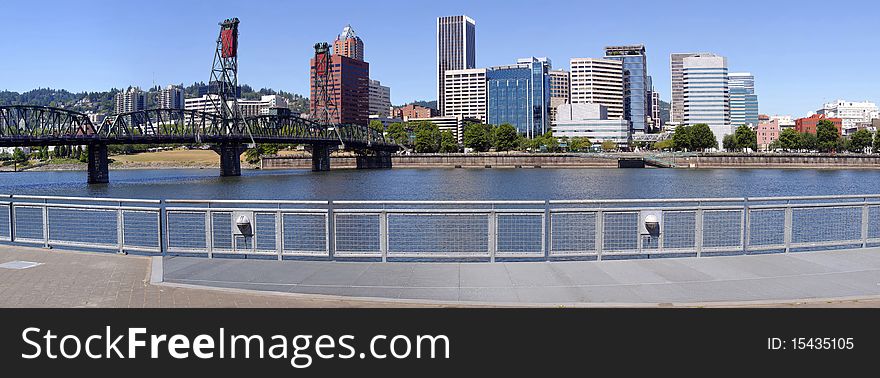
(802, 52)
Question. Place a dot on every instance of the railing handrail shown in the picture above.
(83, 199)
(422, 202)
(264, 202)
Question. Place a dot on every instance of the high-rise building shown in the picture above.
(208, 104)
(455, 51)
(171, 97)
(852, 114)
(676, 62)
(349, 44)
(348, 88)
(743, 100)
(131, 100)
(519, 94)
(380, 99)
(655, 110)
(637, 100)
(706, 94)
(767, 132)
(560, 85)
(465, 93)
(597, 81)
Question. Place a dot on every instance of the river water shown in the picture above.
(449, 184)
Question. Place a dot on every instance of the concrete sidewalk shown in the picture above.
(748, 280)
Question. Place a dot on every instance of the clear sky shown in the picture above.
(802, 53)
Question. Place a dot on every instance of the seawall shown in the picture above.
(456, 161)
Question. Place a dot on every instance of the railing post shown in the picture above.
(698, 230)
(11, 220)
(600, 233)
(493, 234)
(331, 231)
(46, 223)
(209, 229)
(547, 232)
(865, 223)
(746, 226)
(788, 227)
(279, 229)
(162, 227)
(120, 230)
(383, 235)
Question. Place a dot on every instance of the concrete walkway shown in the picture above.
(748, 280)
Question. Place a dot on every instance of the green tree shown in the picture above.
(809, 142)
(877, 143)
(790, 140)
(681, 138)
(729, 143)
(448, 144)
(666, 144)
(18, 155)
(377, 125)
(861, 141)
(398, 134)
(702, 137)
(609, 145)
(428, 138)
(477, 137)
(827, 136)
(579, 144)
(504, 137)
(745, 137)
(550, 142)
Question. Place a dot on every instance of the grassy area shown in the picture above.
(182, 157)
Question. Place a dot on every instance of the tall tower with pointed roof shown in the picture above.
(349, 44)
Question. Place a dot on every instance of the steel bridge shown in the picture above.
(26, 125)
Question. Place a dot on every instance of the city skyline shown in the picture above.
(107, 54)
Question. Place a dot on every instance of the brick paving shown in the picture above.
(84, 279)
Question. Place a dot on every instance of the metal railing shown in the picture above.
(444, 230)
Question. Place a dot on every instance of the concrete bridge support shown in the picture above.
(99, 171)
(381, 159)
(320, 157)
(230, 158)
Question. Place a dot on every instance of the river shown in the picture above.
(449, 184)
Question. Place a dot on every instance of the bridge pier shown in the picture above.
(382, 159)
(320, 157)
(99, 171)
(230, 158)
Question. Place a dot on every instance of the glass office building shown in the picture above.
(636, 99)
(519, 94)
(743, 100)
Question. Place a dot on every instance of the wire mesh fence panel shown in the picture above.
(766, 227)
(722, 229)
(874, 222)
(186, 231)
(441, 235)
(357, 234)
(221, 232)
(520, 234)
(679, 230)
(28, 223)
(621, 232)
(264, 232)
(244, 243)
(140, 229)
(572, 233)
(304, 234)
(5, 226)
(83, 226)
(826, 224)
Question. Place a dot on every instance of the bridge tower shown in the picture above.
(224, 93)
(323, 107)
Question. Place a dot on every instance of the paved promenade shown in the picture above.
(81, 279)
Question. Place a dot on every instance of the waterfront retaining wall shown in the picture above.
(456, 161)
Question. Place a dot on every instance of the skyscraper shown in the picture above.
(130, 100)
(743, 100)
(560, 85)
(706, 97)
(171, 97)
(455, 50)
(676, 61)
(597, 81)
(349, 44)
(519, 94)
(380, 99)
(637, 100)
(465, 93)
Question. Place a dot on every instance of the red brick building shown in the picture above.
(349, 89)
(414, 111)
(808, 124)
